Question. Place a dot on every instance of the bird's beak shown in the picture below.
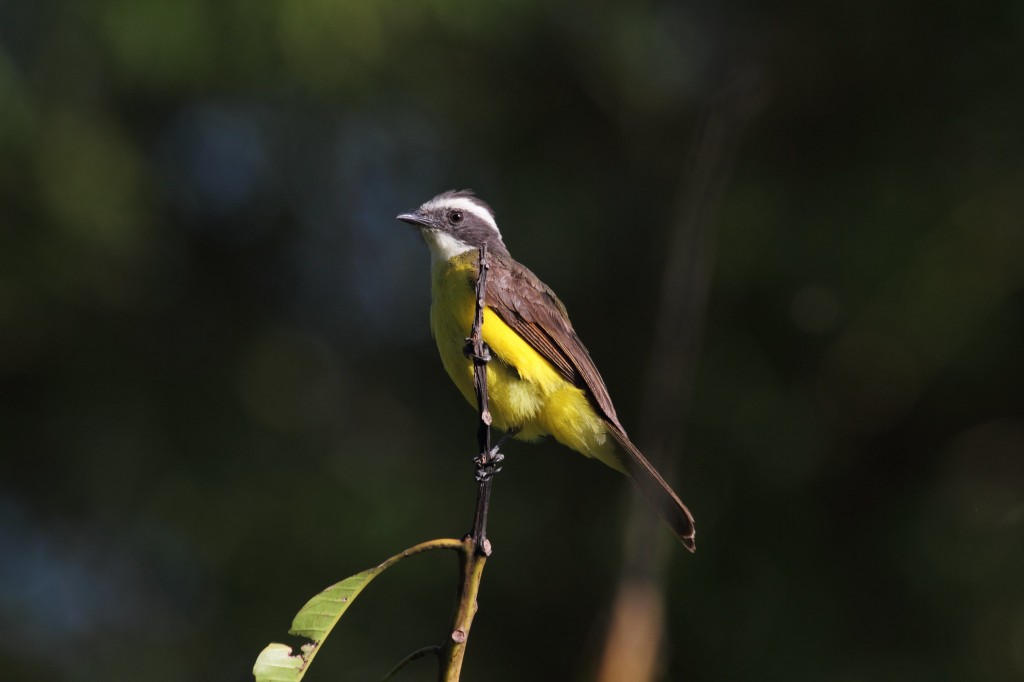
(415, 219)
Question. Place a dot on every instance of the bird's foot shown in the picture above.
(488, 464)
(469, 350)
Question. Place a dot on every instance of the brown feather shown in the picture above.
(660, 495)
(532, 310)
(530, 307)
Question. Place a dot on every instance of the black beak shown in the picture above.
(414, 219)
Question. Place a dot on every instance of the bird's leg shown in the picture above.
(505, 437)
(490, 463)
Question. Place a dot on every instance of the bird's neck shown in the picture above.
(443, 246)
(458, 266)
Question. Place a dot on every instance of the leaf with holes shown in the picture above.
(315, 620)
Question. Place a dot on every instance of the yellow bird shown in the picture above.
(541, 380)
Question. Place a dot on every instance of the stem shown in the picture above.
(475, 546)
(452, 653)
(487, 460)
(419, 653)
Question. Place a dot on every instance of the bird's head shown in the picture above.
(455, 222)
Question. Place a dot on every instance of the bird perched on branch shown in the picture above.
(541, 380)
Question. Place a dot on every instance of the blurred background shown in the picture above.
(219, 395)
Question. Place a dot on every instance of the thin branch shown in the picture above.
(476, 546)
(487, 462)
(453, 651)
(419, 653)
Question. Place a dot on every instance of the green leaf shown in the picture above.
(317, 618)
(276, 664)
(320, 614)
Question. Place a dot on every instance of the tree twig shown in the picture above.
(476, 546)
(487, 462)
(419, 653)
(453, 651)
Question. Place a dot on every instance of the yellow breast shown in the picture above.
(524, 389)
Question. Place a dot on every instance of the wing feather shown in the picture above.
(533, 311)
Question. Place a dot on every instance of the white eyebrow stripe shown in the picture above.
(463, 204)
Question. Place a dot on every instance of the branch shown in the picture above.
(476, 546)
(453, 651)
(488, 460)
(419, 653)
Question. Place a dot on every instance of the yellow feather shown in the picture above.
(525, 391)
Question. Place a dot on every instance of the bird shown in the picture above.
(541, 380)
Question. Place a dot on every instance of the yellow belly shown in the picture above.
(524, 390)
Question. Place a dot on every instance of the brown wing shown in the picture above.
(533, 311)
(527, 305)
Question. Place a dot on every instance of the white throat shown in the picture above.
(443, 246)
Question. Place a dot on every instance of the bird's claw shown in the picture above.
(469, 350)
(488, 464)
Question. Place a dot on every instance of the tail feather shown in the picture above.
(658, 493)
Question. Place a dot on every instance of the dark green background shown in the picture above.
(218, 393)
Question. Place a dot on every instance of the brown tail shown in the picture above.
(668, 505)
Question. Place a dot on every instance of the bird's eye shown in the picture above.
(455, 217)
